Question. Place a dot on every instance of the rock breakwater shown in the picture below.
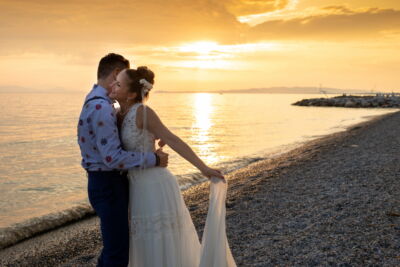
(351, 101)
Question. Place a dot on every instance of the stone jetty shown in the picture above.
(353, 101)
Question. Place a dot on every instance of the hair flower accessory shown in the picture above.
(146, 85)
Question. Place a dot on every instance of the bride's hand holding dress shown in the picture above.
(155, 126)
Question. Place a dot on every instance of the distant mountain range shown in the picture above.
(20, 89)
(268, 90)
(281, 90)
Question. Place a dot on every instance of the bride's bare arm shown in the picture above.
(156, 127)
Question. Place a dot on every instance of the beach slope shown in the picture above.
(334, 200)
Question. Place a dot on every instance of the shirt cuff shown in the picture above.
(151, 160)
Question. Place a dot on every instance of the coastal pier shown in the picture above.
(362, 100)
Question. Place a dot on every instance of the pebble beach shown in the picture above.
(333, 201)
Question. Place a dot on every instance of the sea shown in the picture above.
(40, 172)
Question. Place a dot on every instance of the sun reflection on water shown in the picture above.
(202, 125)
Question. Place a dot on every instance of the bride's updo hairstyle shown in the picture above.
(134, 84)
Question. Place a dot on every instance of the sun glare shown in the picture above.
(212, 55)
(202, 47)
(208, 55)
(203, 111)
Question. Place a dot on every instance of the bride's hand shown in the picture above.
(210, 172)
(161, 143)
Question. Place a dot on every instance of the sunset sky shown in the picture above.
(204, 44)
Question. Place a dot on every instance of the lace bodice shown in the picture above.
(133, 138)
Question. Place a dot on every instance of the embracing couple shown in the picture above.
(143, 218)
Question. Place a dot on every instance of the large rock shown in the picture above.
(365, 104)
(380, 100)
(350, 104)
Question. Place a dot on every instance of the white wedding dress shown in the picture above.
(162, 233)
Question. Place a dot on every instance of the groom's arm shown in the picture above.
(108, 144)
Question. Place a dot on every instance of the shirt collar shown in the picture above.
(99, 90)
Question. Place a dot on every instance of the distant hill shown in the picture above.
(20, 89)
(297, 90)
(16, 89)
(281, 90)
(268, 90)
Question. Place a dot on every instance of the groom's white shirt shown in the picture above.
(98, 137)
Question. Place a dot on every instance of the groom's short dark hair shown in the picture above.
(109, 63)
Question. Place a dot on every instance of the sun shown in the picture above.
(201, 47)
(204, 55)
(208, 55)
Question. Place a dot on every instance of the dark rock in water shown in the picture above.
(350, 101)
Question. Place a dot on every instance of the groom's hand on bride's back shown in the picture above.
(163, 158)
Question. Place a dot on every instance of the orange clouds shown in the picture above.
(335, 24)
(118, 21)
(248, 7)
(63, 26)
(66, 39)
(45, 25)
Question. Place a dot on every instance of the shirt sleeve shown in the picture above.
(107, 140)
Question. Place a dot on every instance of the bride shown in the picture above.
(161, 229)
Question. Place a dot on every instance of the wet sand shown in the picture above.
(332, 201)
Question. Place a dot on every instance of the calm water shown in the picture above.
(40, 159)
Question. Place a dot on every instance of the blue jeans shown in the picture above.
(109, 196)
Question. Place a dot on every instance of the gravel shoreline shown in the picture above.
(333, 201)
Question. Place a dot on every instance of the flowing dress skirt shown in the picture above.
(162, 231)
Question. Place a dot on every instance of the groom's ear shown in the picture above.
(115, 73)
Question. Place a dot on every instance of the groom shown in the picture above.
(106, 163)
